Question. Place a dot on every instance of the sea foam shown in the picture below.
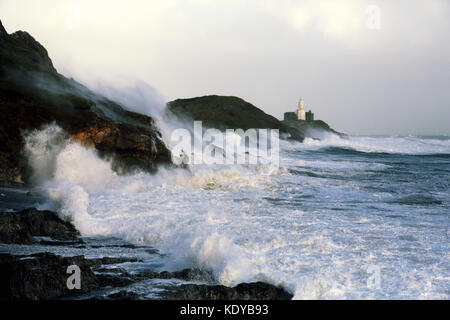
(316, 236)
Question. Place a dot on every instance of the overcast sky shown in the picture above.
(365, 67)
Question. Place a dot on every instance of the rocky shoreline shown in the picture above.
(43, 275)
(34, 95)
(36, 247)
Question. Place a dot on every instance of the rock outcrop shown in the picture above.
(21, 227)
(223, 112)
(43, 275)
(312, 129)
(243, 291)
(33, 94)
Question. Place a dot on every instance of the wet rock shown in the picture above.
(165, 275)
(40, 276)
(148, 275)
(193, 275)
(29, 81)
(21, 227)
(109, 280)
(44, 276)
(201, 292)
(76, 243)
(185, 274)
(126, 246)
(110, 270)
(243, 291)
(261, 291)
(111, 260)
(124, 295)
(312, 128)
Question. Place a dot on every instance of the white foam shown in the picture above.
(41, 148)
(222, 219)
(401, 145)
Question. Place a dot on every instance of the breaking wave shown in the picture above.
(314, 225)
(396, 145)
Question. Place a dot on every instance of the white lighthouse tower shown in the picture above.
(301, 113)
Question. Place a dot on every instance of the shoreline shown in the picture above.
(37, 247)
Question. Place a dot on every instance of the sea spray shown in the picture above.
(317, 225)
(41, 149)
(86, 190)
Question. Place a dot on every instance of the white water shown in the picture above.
(402, 145)
(256, 223)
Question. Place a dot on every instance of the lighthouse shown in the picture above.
(301, 113)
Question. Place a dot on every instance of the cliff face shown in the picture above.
(223, 112)
(33, 94)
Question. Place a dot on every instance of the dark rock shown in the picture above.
(109, 280)
(44, 276)
(127, 246)
(233, 113)
(147, 275)
(75, 243)
(121, 295)
(40, 276)
(201, 292)
(124, 295)
(111, 270)
(165, 275)
(21, 227)
(312, 129)
(111, 260)
(261, 291)
(3, 32)
(33, 94)
(243, 291)
(185, 274)
(223, 112)
(193, 275)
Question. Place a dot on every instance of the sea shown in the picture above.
(356, 217)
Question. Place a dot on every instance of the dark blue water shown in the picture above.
(380, 204)
(361, 217)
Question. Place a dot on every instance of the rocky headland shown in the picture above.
(228, 112)
(223, 112)
(37, 246)
(33, 94)
(312, 128)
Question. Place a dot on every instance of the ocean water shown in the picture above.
(353, 218)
